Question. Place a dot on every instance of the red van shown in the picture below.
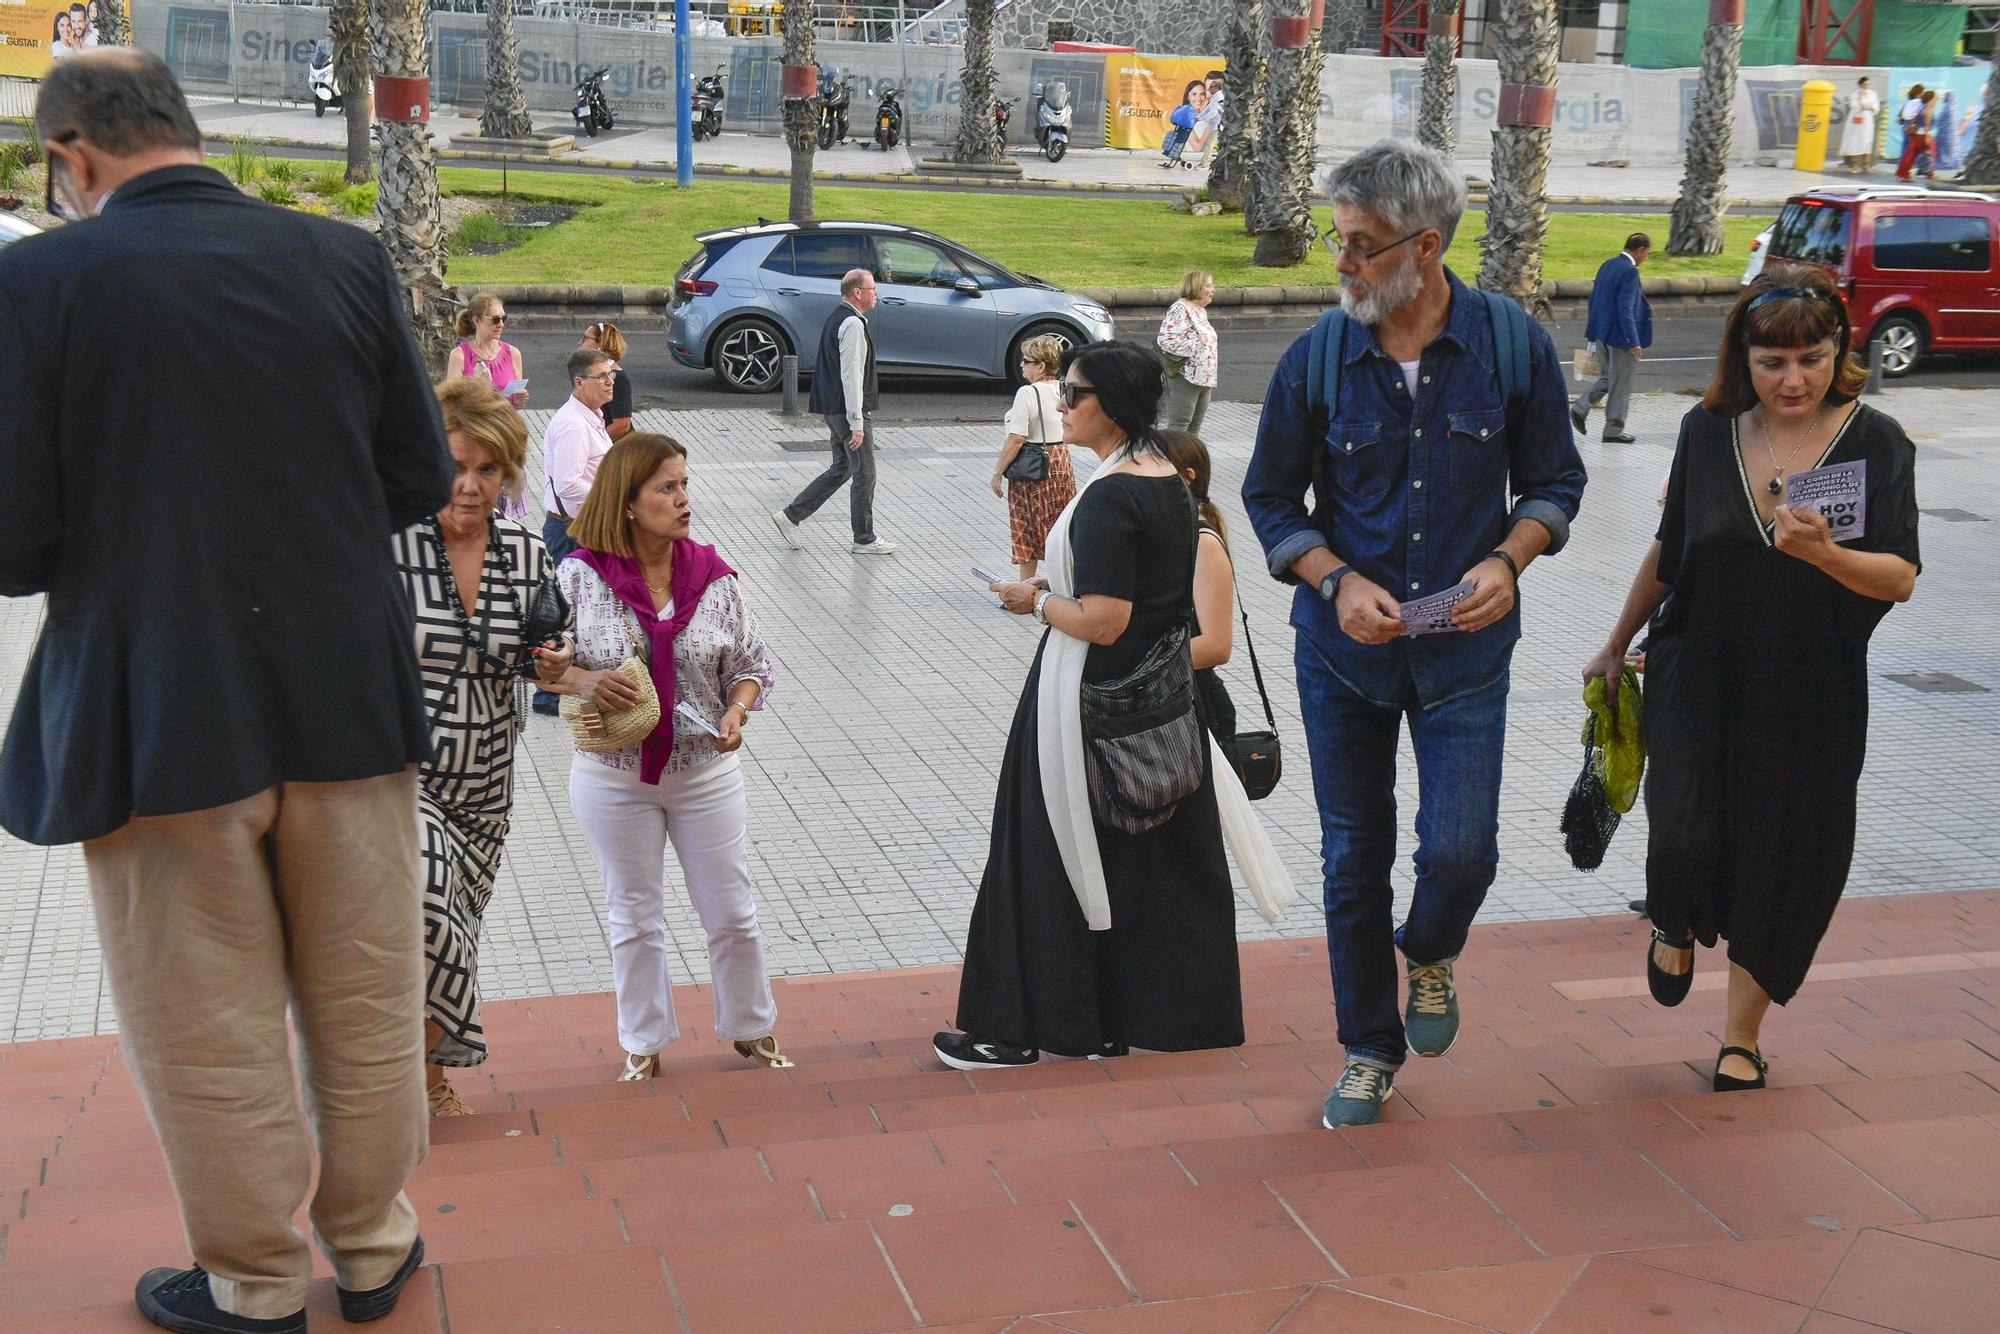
(1919, 267)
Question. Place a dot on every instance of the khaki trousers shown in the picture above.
(209, 923)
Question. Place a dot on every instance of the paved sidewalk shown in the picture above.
(1101, 169)
(871, 776)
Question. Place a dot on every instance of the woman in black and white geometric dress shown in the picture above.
(472, 576)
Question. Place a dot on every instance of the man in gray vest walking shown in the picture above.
(843, 391)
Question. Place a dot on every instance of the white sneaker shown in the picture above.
(881, 546)
(787, 530)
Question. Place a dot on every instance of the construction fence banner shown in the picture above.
(34, 34)
(1144, 91)
(1961, 92)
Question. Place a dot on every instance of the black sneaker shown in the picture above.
(961, 1051)
(179, 1299)
(1579, 416)
(1620, 438)
(375, 1303)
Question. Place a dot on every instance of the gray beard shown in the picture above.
(1385, 296)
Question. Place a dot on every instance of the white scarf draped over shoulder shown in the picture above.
(1059, 747)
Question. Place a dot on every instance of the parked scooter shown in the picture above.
(889, 120)
(705, 105)
(1002, 113)
(1052, 117)
(319, 78)
(592, 113)
(833, 102)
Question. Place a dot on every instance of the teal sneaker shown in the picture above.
(1430, 1020)
(1357, 1099)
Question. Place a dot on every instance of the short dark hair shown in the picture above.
(584, 360)
(121, 100)
(1638, 241)
(1804, 308)
(1129, 381)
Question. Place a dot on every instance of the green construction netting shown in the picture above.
(1666, 34)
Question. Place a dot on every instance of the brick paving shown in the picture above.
(871, 776)
(1562, 1169)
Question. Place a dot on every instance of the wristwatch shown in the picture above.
(1330, 585)
(1036, 611)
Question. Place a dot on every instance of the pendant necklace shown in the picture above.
(1776, 486)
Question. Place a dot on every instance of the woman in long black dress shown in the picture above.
(1086, 942)
(1757, 672)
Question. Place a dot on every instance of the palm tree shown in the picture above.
(1517, 214)
(112, 29)
(802, 111)
(353, 70)
(978, 136)
(1696, 228)
(1434, 115)
(1280, 208)
(406, 209)
(506, 112)
(1245, 56)
(1982, 164)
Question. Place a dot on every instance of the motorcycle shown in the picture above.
(319, 77)
(592, 112)
(833, 103)
(889, 119)
(1052, 118)
(705, 105)
(1002, 113)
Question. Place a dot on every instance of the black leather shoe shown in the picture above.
(378, 1302)
(1579, 416)
(1669, 989)
(1730, 1083)
(179, 1299)
(1619, 438)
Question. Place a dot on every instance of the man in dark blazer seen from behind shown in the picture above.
(1620, 325)
(213, 416)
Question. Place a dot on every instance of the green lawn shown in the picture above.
(637, 232)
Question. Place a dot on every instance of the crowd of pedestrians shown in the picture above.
(309, 792)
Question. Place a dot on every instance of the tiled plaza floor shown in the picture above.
(871, 776)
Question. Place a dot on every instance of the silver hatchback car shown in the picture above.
(752, 295)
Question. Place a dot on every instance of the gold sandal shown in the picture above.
(444, 1100)
(765, 1050)
(639, 1068)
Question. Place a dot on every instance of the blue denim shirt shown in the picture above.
(1417, 491)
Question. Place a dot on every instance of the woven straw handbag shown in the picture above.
(593, 730)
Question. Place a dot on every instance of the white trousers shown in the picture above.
(704, 811)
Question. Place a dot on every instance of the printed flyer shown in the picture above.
(1838, 491)
(1432, 615)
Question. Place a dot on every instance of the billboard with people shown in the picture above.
(37, 33)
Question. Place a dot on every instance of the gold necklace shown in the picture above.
(1776, 486)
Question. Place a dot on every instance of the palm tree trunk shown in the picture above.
(506, 112)
(112, 29)
(354, 70)
(1982, 164)
(1245, 57)
(801, 112)
(1696, 228)
(978, 137)
(406, 210)
(1517, 216)
(1281, 191)
(1434, 114)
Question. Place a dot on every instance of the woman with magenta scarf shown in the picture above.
(637, 575)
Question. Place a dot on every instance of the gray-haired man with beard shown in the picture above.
(1430, 424)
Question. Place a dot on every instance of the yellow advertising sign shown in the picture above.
(34, 34)
(1141, 93)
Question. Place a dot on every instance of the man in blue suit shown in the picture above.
(1621, 327)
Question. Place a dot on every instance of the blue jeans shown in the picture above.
(555, 536)
(1352, 741)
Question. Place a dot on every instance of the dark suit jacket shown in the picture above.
(212, 418)
(1620, 315)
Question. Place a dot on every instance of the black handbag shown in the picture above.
(1256, 756)
(1032, 463)
(1143, 743)
(546, 619)
(1589, 819)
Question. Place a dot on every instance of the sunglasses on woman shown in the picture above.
(1069, 392)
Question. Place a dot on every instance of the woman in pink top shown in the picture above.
(483, 355)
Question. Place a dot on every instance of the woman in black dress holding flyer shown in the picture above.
(1757, 673)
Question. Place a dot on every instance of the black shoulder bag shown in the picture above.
(1256, 756)
(1031, 464)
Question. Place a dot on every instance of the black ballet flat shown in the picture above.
(1731, 1084)
(1669, 989)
